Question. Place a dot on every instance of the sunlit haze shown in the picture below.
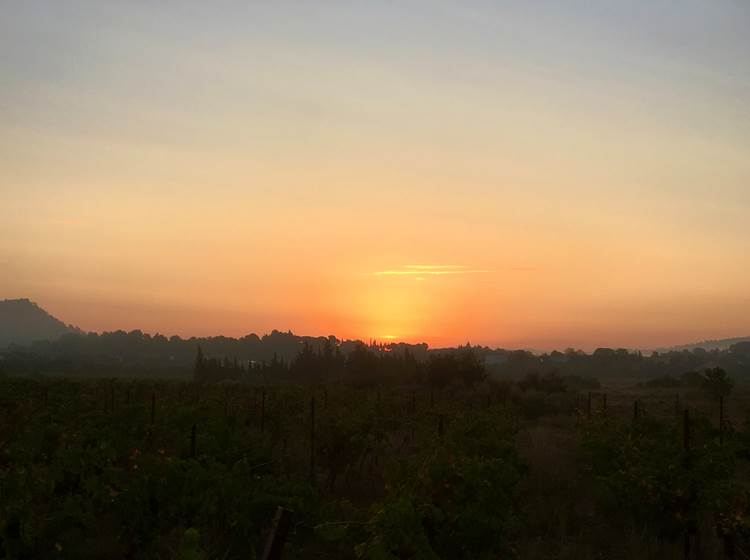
(517, 174)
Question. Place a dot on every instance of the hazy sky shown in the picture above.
(539, 174)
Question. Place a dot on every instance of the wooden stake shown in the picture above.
(263, 411)
(729, 547)
(192, 441)
(686, 447)
(312, 441)
(275, 542)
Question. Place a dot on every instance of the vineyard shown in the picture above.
(163, 469)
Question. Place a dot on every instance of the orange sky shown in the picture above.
(470, 173)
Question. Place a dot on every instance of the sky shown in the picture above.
(518, 174)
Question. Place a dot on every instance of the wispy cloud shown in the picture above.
(422, 270)
(435, 266)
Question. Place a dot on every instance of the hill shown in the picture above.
(23, 321)
(721, 344)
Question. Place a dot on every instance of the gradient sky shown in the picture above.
(524, 174)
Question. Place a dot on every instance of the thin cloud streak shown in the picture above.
(422, 270)
(435, 266)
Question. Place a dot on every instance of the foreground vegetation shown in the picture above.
(105, 468)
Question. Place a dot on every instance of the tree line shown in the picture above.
(284, 355)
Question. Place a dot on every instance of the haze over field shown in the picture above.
(514, 174)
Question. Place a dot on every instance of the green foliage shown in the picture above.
(548, 383)
(191, 549)
(455, 501)
(86, 483)
(86, 473)
(651, 481)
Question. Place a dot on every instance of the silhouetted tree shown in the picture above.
(717, 383)
(199, 368)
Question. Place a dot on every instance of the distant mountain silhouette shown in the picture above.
(720, 344)
(23, 322)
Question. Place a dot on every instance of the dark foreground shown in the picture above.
(143, 469)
